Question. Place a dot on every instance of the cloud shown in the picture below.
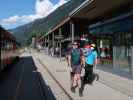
(42, 9)
(45, 7)
(10, 20)
(16, 18)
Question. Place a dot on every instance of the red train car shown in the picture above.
(9, 48)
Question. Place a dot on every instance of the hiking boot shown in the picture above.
(97, 77)
(90, 82)
(73, 89)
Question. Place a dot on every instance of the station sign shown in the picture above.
(59, 37)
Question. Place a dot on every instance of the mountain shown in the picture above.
(25, 32)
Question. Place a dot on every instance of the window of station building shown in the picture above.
(123, 42)
(123, 39)
(128, 39)
(105, 45)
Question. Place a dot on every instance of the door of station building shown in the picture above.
(105, 50)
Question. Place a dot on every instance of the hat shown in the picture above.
(74, 43)
(93, 45)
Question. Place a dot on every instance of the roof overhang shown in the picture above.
(92, 9)
(82, 6)
(59, 25)
(56, 27)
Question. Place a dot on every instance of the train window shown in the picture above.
(7, 45)
(3, 44)
(11, 44)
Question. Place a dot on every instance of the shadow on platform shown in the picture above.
(22, 81)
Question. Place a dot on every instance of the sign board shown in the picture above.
(59, 37)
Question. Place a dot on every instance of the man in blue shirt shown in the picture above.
(90, 59)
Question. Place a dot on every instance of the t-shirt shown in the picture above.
(75, 56)
(91, 57)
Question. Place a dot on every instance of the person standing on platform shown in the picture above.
(90, 60)
(74, 63)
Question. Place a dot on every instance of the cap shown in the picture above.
(74, 43)
(93, 45)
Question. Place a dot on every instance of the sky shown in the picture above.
(14, 13)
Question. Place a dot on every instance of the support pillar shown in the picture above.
(45, 42)
(48, 41)
(72, 28)
(48, 45)
(132, 60)
(60, 33)
(114, 57)
(53, 42)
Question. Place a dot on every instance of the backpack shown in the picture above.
(75, 57)
(86, 51)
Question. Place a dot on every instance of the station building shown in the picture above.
(109, 21)
(112, 23)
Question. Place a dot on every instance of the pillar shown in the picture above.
(53, 42)
(72, 28)
(132, 60)
(114, 57)
(45, 42)
(48, 41)
(60, 33)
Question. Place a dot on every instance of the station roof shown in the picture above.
(97, 8)
(60, 15)
(91, 9)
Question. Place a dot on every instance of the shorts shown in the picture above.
(76, 69)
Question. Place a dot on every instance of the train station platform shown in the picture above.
(38, 76)
(109, 87)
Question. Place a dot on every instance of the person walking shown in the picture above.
(90, 60)
(74, 63)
